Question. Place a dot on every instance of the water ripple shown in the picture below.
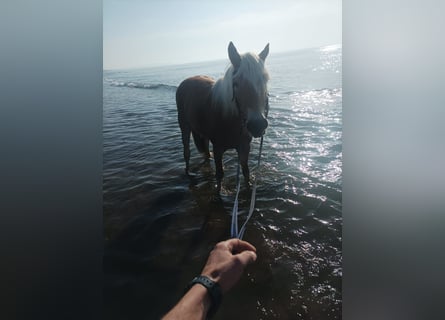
(159, 220)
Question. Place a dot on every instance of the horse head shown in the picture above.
(249, 79)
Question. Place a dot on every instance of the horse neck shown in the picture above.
(222, 97)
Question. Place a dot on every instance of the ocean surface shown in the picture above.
(160, 224)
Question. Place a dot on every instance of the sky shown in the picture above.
(147, 33)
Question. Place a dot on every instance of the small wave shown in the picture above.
(334, 91)
(333, 47)
(139, 85)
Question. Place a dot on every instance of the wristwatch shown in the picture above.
(214, 290)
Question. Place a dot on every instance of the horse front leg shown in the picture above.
(243, 156)
(217, 154)
(207, 152)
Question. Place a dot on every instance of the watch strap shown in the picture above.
(214, 290)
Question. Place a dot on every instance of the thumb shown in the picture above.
(247, 257)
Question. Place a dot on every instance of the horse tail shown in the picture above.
(201, 143)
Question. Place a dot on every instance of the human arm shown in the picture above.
(224, 266)
(195, 304)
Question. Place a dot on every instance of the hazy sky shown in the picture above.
(140, 33)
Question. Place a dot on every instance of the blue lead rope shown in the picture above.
(234, 227)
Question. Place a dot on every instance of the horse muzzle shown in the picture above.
(257, 126)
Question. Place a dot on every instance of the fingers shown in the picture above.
(236, 246)
(246, 257)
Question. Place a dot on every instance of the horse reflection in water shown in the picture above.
(228, 112)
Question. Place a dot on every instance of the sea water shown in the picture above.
(160, 224)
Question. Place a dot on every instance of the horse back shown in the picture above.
(193, 100)
(194, 90)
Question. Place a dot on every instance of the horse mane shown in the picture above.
(251, 69)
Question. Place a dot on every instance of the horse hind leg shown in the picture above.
(183, 125)
(202, 144)
(186, 143)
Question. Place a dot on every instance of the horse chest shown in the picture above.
(226, 132)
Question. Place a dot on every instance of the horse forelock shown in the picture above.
(251, 69)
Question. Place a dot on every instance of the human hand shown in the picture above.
(227, 261)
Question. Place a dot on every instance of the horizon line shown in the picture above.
(210, 60)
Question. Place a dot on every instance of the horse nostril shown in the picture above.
(256, 128)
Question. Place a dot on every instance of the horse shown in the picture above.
(228, 111)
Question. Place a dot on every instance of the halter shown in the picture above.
(242, 115)
(244, 119)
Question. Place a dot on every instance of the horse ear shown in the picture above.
(264, 53)
(234, 56)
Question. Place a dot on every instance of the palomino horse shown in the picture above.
(228, 111)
